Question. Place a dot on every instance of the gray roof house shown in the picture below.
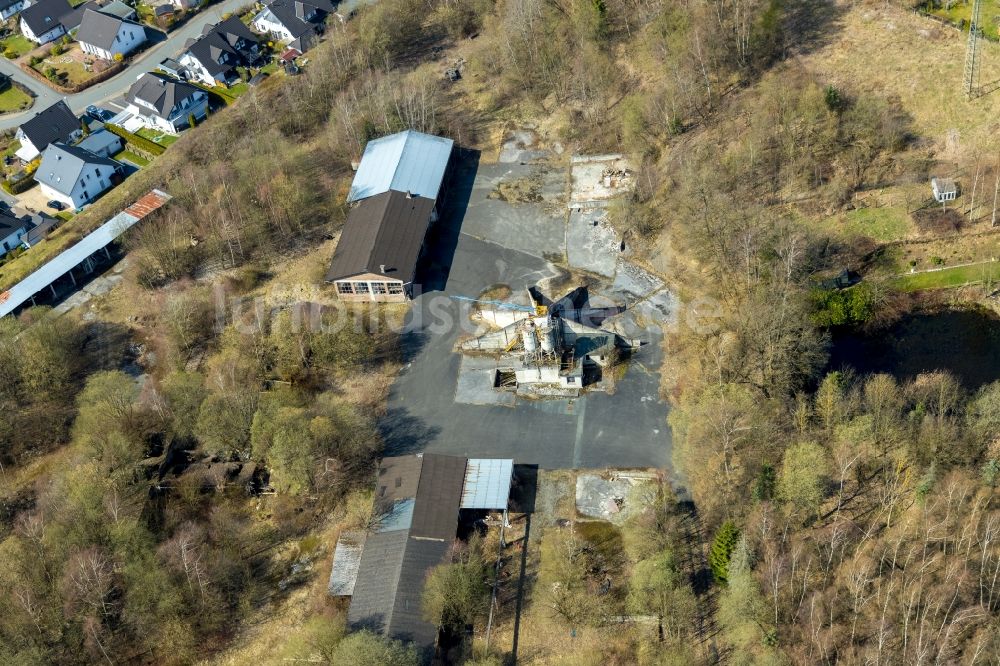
(214, 57)
(102, 143)
(75, 175)
(11, 230)
(10, 7)
(165, 104)
(298, 23)
(42, 225)
(119, 9)
(107, 36)
(56, 123)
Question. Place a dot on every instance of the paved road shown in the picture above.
(115, 86)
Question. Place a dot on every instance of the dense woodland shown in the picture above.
(846, 518)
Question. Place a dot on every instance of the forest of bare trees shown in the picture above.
(848, 518)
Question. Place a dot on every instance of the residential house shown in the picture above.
(11, 230)
(213, 58)
(41, 226)
(48, 20)
(75, 176)
(56, 123)
(102, 143)
(107, 36)
(10, 7)
(165, 104)
(297, 23)
(394, 193)
(419, 505)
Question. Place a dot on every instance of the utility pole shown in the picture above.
(972, 53)
(996, 190)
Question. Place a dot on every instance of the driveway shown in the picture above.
(625, 429)
(115, 86)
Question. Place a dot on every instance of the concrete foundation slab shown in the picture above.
(591, 244)
(590, 186)
(475, 383)
(606, 499)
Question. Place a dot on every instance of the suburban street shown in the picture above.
(115, 86)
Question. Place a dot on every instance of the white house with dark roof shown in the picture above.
(10, 7)
(297, 23)
(165, 104)
(107, 36)
(11, 230)
(213, 58)
(44, 21)
(56, 123)
(74, 175)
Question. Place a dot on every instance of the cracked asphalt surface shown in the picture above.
(477, 246)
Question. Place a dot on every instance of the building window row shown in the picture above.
(365, 288)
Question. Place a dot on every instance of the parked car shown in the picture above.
(56, 205)
(97, 113)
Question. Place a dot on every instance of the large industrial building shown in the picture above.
(420, 502)
(394, 199)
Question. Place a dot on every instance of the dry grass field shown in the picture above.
(882, 48)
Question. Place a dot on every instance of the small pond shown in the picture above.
(964, 341)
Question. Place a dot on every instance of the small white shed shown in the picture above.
(944, 189)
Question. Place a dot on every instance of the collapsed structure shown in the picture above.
(542, 349)
(420, 501)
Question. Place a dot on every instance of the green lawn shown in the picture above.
(14, 99)
(132, 157)
(225, 94)
(19, 44)
(882, 224)
(69, 73)
(949, 277)
(238, 89)
(962, 11)
(65, 215)
(157, 137)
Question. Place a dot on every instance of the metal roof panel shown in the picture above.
(487, 483)
(408, 161)
(96, 240)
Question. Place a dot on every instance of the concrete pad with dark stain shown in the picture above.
(591, 244)
(538, 228)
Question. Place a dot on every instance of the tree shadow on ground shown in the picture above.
(403, 433)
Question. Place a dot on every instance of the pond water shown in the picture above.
(963, 341)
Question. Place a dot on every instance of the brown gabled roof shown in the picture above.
(439, 496)
(384, 230)
(398, 478)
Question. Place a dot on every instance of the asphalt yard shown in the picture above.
(441, 401)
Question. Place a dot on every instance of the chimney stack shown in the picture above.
(381, 268)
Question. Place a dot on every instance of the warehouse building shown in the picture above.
(394, 197)
(419, 500)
